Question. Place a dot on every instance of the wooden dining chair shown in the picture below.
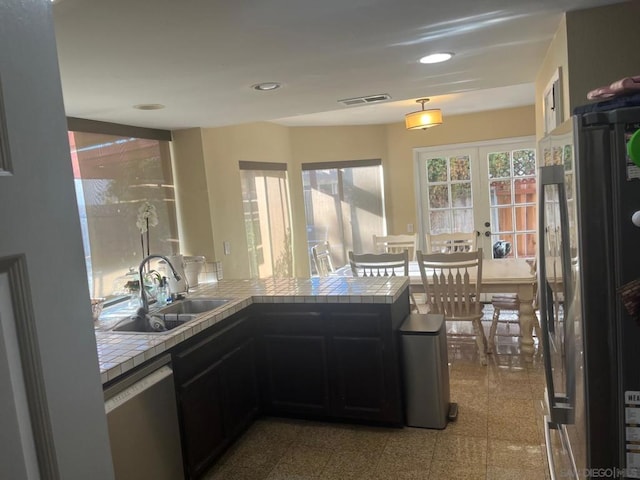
(451, 242)
(321, 254)
(396, 244)
(379, 264)
(452, 282)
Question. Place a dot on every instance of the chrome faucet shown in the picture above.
(143, 293)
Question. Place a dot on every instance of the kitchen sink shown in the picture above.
(194, 305)
(167, 318)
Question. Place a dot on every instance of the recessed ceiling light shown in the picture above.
(266, 86)
(436, 57)
(149, 106)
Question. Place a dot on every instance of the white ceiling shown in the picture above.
(201, 57)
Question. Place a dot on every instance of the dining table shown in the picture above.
(503, 275)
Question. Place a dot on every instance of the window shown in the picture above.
(114, 176)
(344, 205)
(267, 219)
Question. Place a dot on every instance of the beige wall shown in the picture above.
(602, 47)
(194, 214)
(557, 57)
(593, 47)
(222, 148)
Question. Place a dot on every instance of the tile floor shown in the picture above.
(498, 434)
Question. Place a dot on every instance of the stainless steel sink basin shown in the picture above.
(167, 318)
(137, 324)
(194, 305)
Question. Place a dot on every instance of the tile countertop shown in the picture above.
(120, 352)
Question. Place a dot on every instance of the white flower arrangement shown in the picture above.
(147, 217)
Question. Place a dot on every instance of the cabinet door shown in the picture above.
(296, 378)
(365, 382)
(360, 390)
(241, 388)
(201, 403)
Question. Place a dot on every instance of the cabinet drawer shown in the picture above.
(356, 324)
(292, 323)
(209, 348)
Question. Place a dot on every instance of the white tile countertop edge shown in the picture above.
(121, 352)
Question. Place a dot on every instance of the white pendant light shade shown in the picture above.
(423, 119)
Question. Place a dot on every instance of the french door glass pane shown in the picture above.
(499, 165)
(114, 177)
(513, 198)
(500, 192)
(449, 198)
(265, 200)
(344, 207)
(440, 222)
(439, 196)
(462, 218)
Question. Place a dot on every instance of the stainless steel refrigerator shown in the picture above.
(588, 267)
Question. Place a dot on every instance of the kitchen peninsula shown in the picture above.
(321, 348)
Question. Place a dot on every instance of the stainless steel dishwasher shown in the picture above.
(143, 425)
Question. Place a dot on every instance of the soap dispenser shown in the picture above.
(163, 291)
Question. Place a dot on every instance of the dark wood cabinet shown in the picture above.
(365, 367)
(294, 367)
(337, 361)
(217, 391)
(240, 384)
(322, 361)
(201, 405)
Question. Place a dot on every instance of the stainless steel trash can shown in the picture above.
(426, 372)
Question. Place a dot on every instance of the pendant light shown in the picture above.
(423, 119)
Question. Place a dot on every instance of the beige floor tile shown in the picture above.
(309, 459)
(513, 428)
(500, 473)
(351, 465)
(507, 454)
(387, 471)
(470, 422)
(229, 472)
(419, 442)
(510, 389)
(456, 472)
(462, 451)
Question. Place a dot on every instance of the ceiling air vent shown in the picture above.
(364, 100)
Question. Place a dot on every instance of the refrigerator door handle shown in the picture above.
(561, 408)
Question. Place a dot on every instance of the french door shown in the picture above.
(488, 188)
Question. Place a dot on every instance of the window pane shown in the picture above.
(568, 157)
(437, 170)
(461, 195)
(524, 163)
(114, 177)
(499, 165)
(557, 155)
(460, 169)
(526, 245)
(525, 190)
(265, 203)
(500, 192)
(568, 184)
(463, 220)
(343, 207)
(439, 196)
(439, 222)
(526, 218)
(501, 220)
